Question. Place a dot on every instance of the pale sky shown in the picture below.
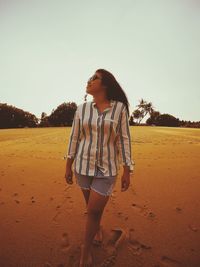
(49, 49)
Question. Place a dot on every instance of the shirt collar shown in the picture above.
(111, 103)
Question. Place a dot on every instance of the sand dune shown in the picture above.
(155, 223)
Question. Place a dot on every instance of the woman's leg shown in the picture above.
(95, 208)
(86, 194)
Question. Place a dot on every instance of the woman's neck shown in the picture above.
(101, 101)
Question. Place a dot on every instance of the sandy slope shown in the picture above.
(42, 218)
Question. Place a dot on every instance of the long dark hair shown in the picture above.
(113, 89)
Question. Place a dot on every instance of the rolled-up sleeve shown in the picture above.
(74, 137)
(124, 141)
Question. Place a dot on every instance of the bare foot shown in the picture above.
(85, 261)
(99, 236)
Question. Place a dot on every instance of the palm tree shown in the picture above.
(143, 109)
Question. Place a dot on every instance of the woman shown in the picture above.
(99, 140)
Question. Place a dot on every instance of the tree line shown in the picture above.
(13, 117)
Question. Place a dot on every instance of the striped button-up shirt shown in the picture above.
(100, 139)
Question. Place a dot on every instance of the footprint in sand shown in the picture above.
(69, 199)
(167, 261)
(118, 236)
(119, 213)
(134, 245)
(192, 227)
(73, 256)
(85, 212)
(54, 219)
(151, 215)
(109, 261)
(178, 209)
(122, 215)
(32, 199)
(144, 210)
(65, 242)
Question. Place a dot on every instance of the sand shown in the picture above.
(42, 218)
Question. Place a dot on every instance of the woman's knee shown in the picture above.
(93, 212)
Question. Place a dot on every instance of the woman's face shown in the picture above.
(94, 84)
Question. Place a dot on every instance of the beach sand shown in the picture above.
(42, 218)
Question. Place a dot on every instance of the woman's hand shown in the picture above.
(69, 175)
(125, 181)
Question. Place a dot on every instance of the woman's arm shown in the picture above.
(124, 142)
(74, 137)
